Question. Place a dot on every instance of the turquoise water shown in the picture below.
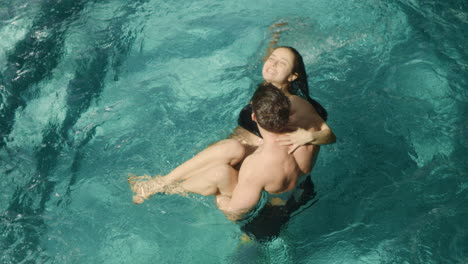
(93, 90)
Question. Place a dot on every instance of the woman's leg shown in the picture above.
(220, 179)
(225, 152)
(219, 156)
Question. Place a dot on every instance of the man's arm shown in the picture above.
(246, 194)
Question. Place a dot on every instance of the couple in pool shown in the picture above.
(265, 162)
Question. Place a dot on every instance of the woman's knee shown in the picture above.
(237, 152)
(225, 171)
(232, 150)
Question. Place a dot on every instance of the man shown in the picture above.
(270, 172)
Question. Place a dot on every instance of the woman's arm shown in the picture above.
(310, 136)
(302, 137)
(274, 40)
(322, 137)
(311, 128)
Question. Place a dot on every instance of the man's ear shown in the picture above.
(293, 77)
(254, 117)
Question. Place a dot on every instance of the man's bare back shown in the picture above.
(273, 165)
(271, 168)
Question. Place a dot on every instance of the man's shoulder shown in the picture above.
(259, 168)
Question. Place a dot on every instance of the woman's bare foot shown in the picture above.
(146, 186)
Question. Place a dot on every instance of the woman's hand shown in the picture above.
(277, 29)
(297, 138)
(301, 137)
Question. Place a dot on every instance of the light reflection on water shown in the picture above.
(92, 91)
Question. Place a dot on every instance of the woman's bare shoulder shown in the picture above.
(300, 104)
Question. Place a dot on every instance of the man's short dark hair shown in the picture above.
(271, 107)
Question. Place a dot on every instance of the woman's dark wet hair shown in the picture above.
(300, 86)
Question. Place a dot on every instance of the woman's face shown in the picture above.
(277, 69)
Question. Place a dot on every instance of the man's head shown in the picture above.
(271, 108)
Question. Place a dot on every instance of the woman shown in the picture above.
(284, 68)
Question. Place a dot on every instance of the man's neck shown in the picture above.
(269, 138)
